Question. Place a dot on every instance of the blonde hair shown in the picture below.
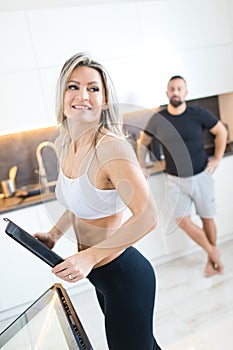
(110, 117)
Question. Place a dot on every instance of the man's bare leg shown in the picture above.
(199, 236)
(210, 230)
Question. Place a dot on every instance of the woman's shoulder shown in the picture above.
(112, 139)
(114, 144)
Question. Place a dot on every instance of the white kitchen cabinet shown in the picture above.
(151, 245)
(171, 237)
(24, 277)
(224, 195)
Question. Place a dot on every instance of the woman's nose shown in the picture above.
(82, 94)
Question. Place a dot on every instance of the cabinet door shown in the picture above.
(24, 277)
(173, 240)
(224, 194)
(152, 244)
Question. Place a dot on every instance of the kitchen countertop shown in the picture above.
(16, 203)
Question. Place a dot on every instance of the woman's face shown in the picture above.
(84, 92)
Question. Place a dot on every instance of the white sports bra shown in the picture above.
(85, 200)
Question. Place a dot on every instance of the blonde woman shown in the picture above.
(99, 178)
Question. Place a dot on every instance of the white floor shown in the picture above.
(192, 312)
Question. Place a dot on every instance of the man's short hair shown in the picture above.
(176, 77)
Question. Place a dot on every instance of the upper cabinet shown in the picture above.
(141, 43)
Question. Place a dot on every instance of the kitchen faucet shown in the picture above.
(42, 172)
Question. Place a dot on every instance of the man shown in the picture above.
(179, 128)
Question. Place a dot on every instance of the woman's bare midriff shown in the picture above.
(91, 232)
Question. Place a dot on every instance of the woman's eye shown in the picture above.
(72, 87)
(94, 89)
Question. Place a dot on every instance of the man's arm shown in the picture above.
(220, 141)
(142, 147)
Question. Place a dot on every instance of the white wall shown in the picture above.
(142, 43)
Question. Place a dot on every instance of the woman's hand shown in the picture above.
(75, 267)
(46, 238)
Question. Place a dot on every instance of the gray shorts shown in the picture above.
(197, 190)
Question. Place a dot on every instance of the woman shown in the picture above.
(99, 177)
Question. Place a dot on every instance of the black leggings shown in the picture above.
(125, 289)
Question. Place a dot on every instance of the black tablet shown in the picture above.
(32, 244)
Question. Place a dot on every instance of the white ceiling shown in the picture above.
(18, 5)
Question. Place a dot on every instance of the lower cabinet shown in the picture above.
(224, 198)
(151, 245)
(24, 277)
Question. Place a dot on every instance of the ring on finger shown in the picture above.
(70, 276)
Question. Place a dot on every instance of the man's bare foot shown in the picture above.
(214, 259)
(211, 270)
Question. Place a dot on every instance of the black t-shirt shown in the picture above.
(181, 137)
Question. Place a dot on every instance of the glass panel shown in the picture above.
(49, 323)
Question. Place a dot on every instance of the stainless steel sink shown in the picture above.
(28, 190)
(34, 189)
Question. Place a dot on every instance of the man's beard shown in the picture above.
(175, 103)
